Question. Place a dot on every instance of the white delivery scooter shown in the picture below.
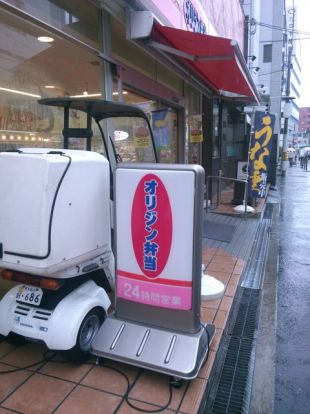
(55, 227)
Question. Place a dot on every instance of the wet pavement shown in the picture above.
(292, 384)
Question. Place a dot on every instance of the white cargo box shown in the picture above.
(54, 209)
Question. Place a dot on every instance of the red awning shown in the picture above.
(217, 60)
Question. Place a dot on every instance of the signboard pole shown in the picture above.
(244, 208)
(246, 186)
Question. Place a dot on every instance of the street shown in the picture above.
(293, 305)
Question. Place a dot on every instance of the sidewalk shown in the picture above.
(40, 386)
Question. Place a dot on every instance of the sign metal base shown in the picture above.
(178, 354)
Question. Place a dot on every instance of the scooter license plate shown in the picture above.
(29, 294)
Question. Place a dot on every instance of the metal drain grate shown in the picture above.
(253, 274)
(234, 387)
(268, 211)
(247, 316)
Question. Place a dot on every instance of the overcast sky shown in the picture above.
(303, 24)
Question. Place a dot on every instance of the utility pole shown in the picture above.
(287, 97)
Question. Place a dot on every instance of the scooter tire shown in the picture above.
(15, 339)
(87, 331)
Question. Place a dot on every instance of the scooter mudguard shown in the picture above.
(57, 328)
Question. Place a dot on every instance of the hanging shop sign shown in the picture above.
(260, 150)
(195, 129)
(162, 126)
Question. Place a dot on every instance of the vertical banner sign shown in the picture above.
(260, 154)
(154, 241)
(160, 126)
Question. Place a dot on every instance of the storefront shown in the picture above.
(194, 39)
(60, 48)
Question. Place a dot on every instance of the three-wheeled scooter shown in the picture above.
(56, 235)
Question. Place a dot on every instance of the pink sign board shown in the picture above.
(154, 242)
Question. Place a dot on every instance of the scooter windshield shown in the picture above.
(130, 137)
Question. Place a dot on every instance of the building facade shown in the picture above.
(292, 74)
(304, 119)
(302, 139)
(85, 48)
(272, 41)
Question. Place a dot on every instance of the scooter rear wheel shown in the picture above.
(88, 329)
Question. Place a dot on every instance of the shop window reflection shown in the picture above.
(163, 121)
(130, 138)
(31, 70)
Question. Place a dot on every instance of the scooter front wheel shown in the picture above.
(15, 339)
(88, 329)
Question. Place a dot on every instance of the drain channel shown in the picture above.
(231, 385)
(234, 387)
(247, 317)
(232, 390)
(254, 270)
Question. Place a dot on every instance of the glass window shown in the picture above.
(163, 120)
(267, 53)
(78, 18)
(130, 138)
(30, 70)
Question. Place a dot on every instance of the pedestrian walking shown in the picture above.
(291, 156)
(290, 159)
(303, 162)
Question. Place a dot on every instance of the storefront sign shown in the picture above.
(194, 22)
(260, 153)
(154, 221)
(156, 324)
